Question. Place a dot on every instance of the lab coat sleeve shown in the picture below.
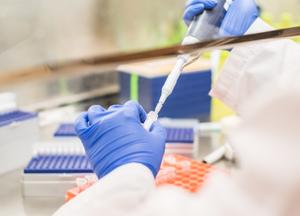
(251, 67)
(220, 195)
(118, 193)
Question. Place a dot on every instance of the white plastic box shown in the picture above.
(18, 133)
(49, 185)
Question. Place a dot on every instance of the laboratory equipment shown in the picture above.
(82, 183)
(181, 139)
(203, 27)
(7, 102)
(226, 151)
(185, 135)
(51, 175)
(67, 145)
(174, 134)
(176, 170)
(183, 172)
(65, 130)
(55, 165)
(19, 131)
(65, 141)
(143, 82)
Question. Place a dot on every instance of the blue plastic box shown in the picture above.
(65, 130)
(8, 118)
(57, 163)
(143, 82)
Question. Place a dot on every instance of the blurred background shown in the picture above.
(42, 99)
(40, 32)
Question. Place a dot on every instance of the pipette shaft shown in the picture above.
(171, 81)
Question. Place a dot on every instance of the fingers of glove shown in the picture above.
(158, 131)
(95, 113)
(208, 4)
(114, 107)
(243, 6)
(240, 15)
(192, 11)
(81, 123)
(196, 7)
(135, 110)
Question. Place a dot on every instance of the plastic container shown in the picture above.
(143, 82)
(51, 175)
(19, 131)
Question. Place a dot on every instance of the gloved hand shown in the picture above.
(116, 136)
(239, 17)
(196, 7)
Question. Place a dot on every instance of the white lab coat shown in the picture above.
(262, 83)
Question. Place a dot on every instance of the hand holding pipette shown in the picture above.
(204, 27)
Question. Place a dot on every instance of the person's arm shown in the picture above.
(118, 193)
(251, 67)
(123, 155)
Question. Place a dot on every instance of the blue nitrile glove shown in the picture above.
(239, 17)
(116, 136)
(195, 7)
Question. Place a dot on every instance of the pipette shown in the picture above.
(204, 27)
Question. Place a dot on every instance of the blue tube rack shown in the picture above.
(174, 135)
(180, 135)
(15, 116)
(68, 163)
(65, 130)
(47, 164)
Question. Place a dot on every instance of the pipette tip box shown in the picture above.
(174, 135)
(65, 130)
(19, 130)
(51, 175)
(143, 82)
(56, 165)
(179, 140)
(59, 163)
